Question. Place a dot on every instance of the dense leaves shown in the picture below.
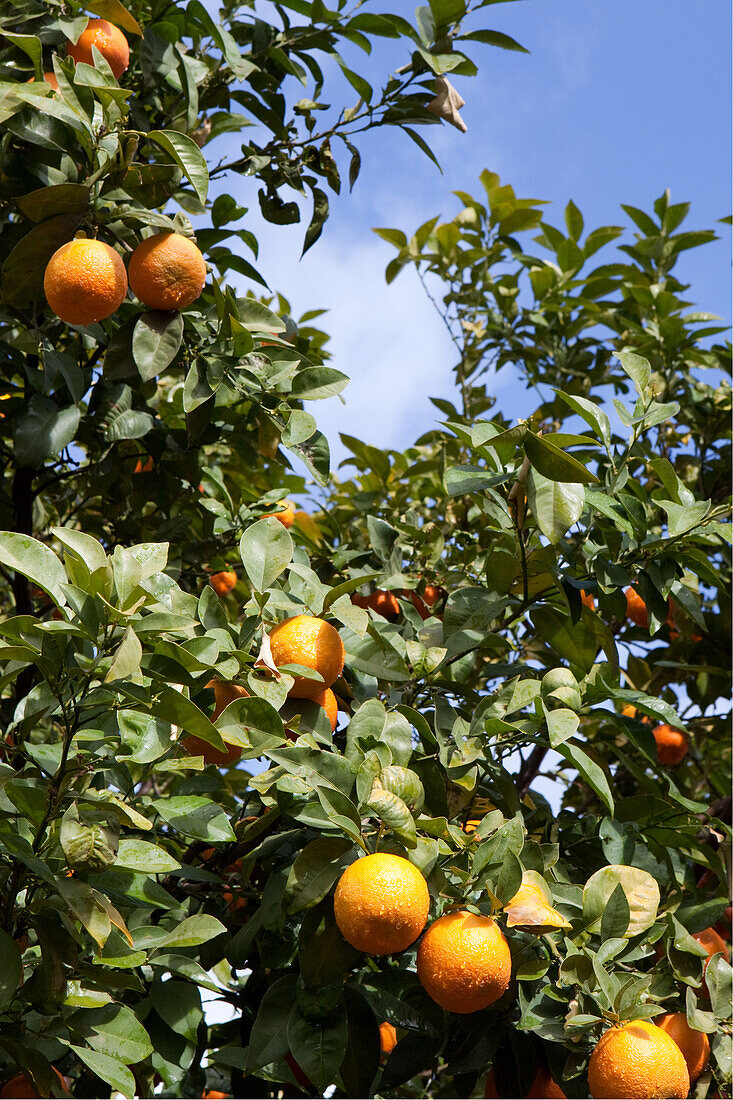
(168, 856)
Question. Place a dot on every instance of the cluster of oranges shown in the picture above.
(303, 640)
(381, 906)
(387, 605)
(85, 280)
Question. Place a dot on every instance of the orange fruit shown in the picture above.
(637, 1061)
(587, 599)
(167, 271)
(144, 468)
(213, 1094)
(327, 700)
(225, 692)
(223, 582)
(713, 944)
(695, 1045)
(109, 40)
(542, 1088)
(381, 904)
(385, 604)
(636, 608)
(20, 1087)
(194, 746)
(84, 281)
(311, 642)
(50, 78)
(286, 515)
(471, 825)
(672, 744)
(307, 525)
(464, 962)
(387, 1037)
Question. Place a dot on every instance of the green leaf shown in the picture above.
(616, 915)
(493, 38)
(318, 1046)
(393, 812)
(317, 383)
(116, 12)
(126, 660)
(11, 968)
(108, 1068)
(314, 872)
(561, 725)
(591, 413)
(187, 155)
(555, 505)
(26, 263)
(43, 429)
(192, 931)
(35, 561)
(573, 221)
(61, 198)
(268, 1040)
(140, 855)
(156, 340)
(640, 889)
(266, 550)
(554, 464)
(114, 1030)
(637, 368)
(193, 816)
(320, 213)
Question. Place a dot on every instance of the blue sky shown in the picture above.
(615, 103)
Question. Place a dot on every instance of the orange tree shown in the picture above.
(465, 605)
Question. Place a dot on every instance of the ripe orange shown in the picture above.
(381, 904)
(695, 1045)
(713, 943)
(225, 693)
(587, 599)
(286, 516)
(672, 744)
(213, 1094)
(109, 40)
(639, 1061)
(327, 700)
(464, 962)
(21, 1088)
(167, 271)
(144, 468)
(84, 281)
(636, 608)
(387, 1037)
(311, 642)
(385, 604)
(542, 1088)
(194, 746)
(223, 582)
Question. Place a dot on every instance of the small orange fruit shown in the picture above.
(167, 271)
(464, 962)
(327, 700)
(672, 744)
(84, 281)
(225, 692)
(637, 1061)
(109, 40)
(213, 1094)
(630, 711)
(387, 1037)
(385, 604)
(195, 746)
(223, 582)
(311, 642)
(381, 904)
(286, 515)
(636, 608)
(695, 1045)
(587, 599)
(144, 468)
(542, 1088)
(20, 1087)
(713, 944)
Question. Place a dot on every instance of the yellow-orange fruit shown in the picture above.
(630, 711)
(695, 1045)
(713, 943)
(464, 962)
(167, 271)
(144, 467)
(542, 1088)
(381, 904)
(387, 1037)
(286, 515)
(311, 642)
(672, 744)
(223, 582)
(109, 40)
(194, 746)
(636, 608)
(587, 599)
(225, 693)
(213, 1094)
(20, 1087)
(638, 1061)
(84, 281)
(327, 700)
